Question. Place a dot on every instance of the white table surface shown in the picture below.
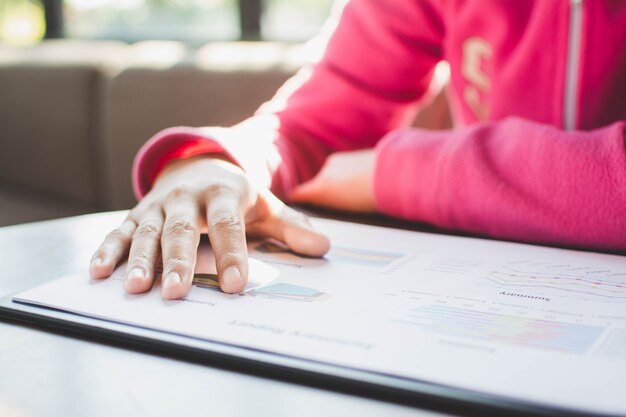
(46, 374)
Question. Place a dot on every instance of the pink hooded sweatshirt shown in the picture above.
(538, 95)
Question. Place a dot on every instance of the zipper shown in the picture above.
(570, 110)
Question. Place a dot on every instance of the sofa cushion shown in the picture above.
(49, 116)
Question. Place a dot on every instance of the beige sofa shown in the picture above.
(73, 114)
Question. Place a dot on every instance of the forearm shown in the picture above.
(512, 179)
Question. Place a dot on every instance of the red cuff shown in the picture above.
(164, 147)
(185, 150)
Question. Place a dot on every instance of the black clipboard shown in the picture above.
(413, 392)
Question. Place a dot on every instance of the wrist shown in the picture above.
(182, 163)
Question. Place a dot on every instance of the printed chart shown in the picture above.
(291, 292)
(503, 328)
(561, 280)
(521, 322)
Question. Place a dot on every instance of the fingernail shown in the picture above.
(97, 261)
(172, 279)
(232, 278)
(135, 274)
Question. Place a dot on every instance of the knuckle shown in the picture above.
(226, 222)
(142, 258)
(153, 206)
(219, 188)
(147, 229)
(181, 226)
(180, 191)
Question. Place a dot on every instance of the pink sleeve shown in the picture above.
(511, 179)
(377, 66)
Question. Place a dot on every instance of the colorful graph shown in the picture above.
(289, 292)
(563, 280)
(502, 328)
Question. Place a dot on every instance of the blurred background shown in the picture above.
(84, 83)
(194, 22)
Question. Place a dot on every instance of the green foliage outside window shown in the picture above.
(191, 21)
(295, 20)
(21, 21)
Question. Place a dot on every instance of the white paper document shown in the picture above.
(525, 322)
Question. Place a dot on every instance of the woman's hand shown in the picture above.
(192, 196)
(345, 182)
